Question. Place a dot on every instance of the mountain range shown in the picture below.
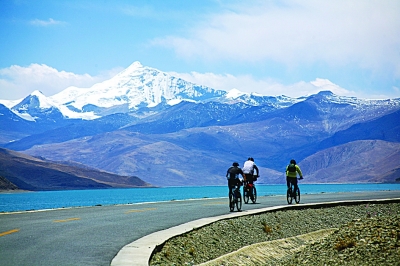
(169, 132)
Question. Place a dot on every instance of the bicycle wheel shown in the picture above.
(297, 195)
(245, 195)
(231, 202)
(254, 198)
(289, 196)
(239, 202)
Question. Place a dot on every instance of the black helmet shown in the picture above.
(250, 159)
(235, 164)
(292, 161)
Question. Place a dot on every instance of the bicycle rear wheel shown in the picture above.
(297, 195)
(245, 195)
(239, 202)
(254, 199)
(231, 203)
(289, 196)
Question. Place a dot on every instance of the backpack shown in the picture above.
(233, 172)
(292, 168)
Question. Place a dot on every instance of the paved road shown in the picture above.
(94, 235)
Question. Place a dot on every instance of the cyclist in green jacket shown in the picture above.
(291, 174)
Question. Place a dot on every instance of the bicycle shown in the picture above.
(235, 198)
(292, 193)
(250, 191)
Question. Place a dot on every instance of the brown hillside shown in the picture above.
(32, 173)
(358, 161)
(6, 185)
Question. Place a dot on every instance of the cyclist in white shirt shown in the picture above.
(248, 170)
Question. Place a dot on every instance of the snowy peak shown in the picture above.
(331, 98)
(234, 94)
(36, 100)
(134, 67)
(255, 99)
(136, 86)
(37, 106)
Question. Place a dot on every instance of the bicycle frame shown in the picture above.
(293, 193)
(235, 198)
(249, 192)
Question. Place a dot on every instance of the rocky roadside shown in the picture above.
(370, 241)
(366, 234)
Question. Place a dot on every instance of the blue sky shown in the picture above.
(292, 48)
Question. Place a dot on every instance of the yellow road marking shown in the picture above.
(66, 220)
(9, 232)
(141, 210)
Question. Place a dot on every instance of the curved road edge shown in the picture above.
(140, 251)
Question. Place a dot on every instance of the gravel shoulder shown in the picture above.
(272, 251)
(365, 234)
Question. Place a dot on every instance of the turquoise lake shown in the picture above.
(22, 201)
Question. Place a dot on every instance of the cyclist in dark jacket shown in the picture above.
(233, 177)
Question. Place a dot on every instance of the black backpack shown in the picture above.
(233, 172)
(292, 168)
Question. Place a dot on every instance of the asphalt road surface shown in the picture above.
(94, 235)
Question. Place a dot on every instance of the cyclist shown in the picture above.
(291, 174)
(233, 178)
(248, 170)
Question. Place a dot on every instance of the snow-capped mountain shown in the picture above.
(144, 92)
(133, 88)
(256, 99)
(37, 106)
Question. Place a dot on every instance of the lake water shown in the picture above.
(78, 198)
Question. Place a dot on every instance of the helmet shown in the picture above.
(251, 159)
(235, 164)
(292, 161)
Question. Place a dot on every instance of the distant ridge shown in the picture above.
(20, 171)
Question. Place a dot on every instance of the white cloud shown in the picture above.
(17, 82)
(337, 33)
(45, 23)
